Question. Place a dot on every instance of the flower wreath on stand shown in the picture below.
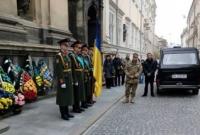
(38, 79)
(19, 99)
(46, 75)
(6, 101)
(28, 87)
(11, 93)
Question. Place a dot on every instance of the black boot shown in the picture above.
(76, 109)
(89, 103)
(84, 105)
(67, 112)
(62, 112)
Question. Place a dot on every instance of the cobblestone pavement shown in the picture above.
(173, 113)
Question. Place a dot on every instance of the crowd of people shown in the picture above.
(75, 81)
(113, 69)
(134, 70)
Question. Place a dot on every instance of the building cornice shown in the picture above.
(113, 4)
(29, 47)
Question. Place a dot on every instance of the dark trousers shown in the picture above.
(109, 82)
(64, 110)
(117, 79)
(92, 87)
(76, 98)
(123, 78)
(149, 80)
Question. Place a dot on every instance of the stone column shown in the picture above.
(56, 20)
(8, 7)
(59, 14)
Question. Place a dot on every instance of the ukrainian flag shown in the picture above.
(97, 59)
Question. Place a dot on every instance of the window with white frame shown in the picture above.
(119, 31)
(138, 39)
(132, 36)
(128, 35)
(112, 26)
(135, 39)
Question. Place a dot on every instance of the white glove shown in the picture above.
(76, 84)
(63, 85)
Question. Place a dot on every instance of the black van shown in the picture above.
(179, 68)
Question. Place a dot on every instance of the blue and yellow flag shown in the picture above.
(97, 59)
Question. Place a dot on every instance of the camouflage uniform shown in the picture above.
(132, 72)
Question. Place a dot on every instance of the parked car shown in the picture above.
(179, 68)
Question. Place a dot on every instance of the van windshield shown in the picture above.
(180, 59)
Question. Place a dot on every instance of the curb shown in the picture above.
(4, 128)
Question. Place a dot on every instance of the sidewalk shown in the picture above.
(3, 127)
(43, 118)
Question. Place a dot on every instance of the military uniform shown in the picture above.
(88, 70)
(78, 80)
(81, 78)
(132, 71)
(92, 79)
(65, 95)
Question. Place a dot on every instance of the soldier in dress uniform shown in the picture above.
(92, 80)
(88, 77)
(132, 71)
(65, 91)
(78, 76)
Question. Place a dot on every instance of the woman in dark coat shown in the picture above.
(108, 69)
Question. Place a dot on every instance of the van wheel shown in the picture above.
(195, 91)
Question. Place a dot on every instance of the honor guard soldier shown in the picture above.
(65, 91)
(92, 81)
(78, 76)
(88, 77)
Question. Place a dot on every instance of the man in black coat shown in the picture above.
(149, 68)
(117, 63)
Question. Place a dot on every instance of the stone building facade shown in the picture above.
(159, 43)
(33, 27)
(128, 26)
(191, 34)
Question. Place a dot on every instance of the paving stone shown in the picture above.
(173, 113)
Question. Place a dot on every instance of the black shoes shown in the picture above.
(81, 109)
(146, 95)
(65, 117)
(76, 110)
(70, 115)
(84, 106)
